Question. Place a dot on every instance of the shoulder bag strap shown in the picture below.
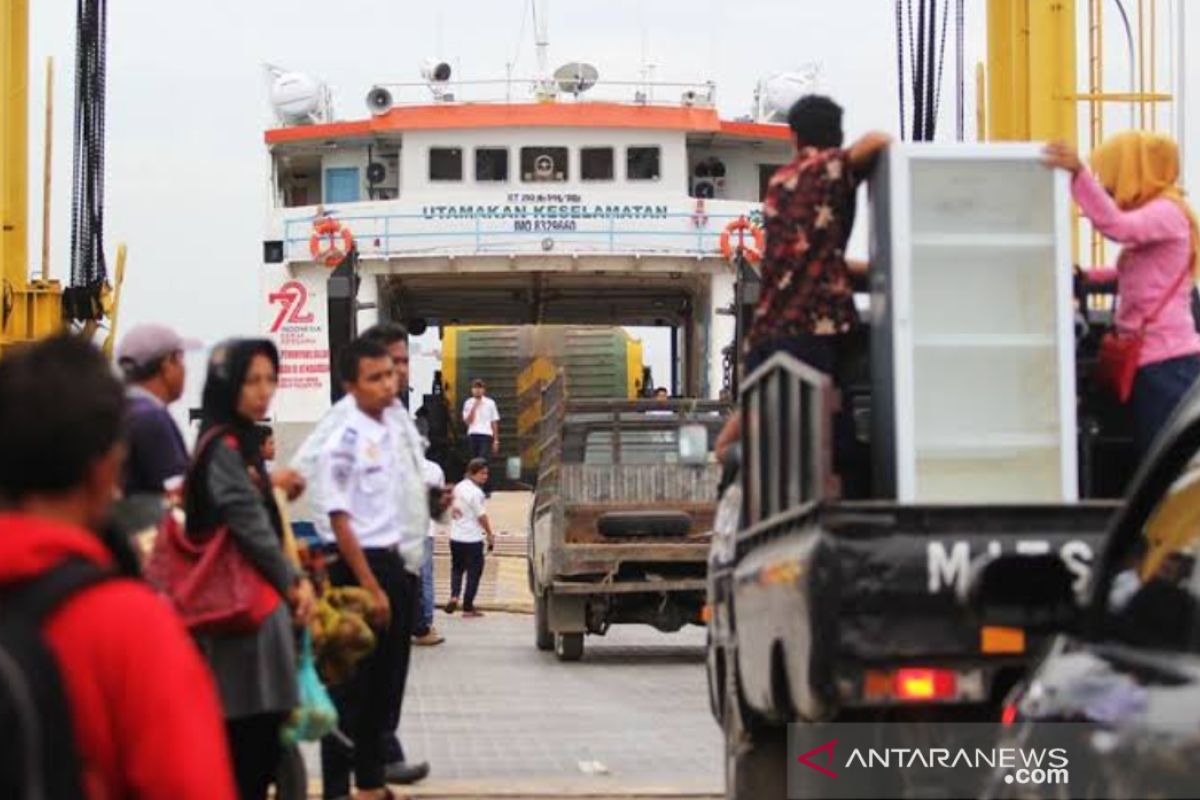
(1162, 304)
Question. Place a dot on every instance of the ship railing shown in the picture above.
(702, 94)
(414, 234)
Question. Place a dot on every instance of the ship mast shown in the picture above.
(541, 25)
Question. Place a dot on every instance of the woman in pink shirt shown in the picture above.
(1135, 200)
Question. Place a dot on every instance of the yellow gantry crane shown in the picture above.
(1032, 93)
(32, 307)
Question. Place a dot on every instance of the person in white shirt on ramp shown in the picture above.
(469, 528)
(483, 425)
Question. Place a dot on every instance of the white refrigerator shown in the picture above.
(973, 353)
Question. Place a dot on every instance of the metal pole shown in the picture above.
(1153, 62)
(47, 162)
(1181, 88)
(981, 130)
(1141, 62)
(1095, 106)
(542, 34)
(14, 143)
(675, 370)
(739, 300)
(960, 71)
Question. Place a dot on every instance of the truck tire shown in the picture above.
(714, 663)
(755, 763)
(543, 636)
(755, 754)
(568, 646)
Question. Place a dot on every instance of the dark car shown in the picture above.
(1123, 682)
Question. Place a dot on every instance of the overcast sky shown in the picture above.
(187, 186)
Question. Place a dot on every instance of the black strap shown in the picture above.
(40, 758)
(31, 602)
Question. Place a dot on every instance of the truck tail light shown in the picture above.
(917, 683)
(1009, 714)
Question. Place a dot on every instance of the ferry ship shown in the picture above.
(561, 199)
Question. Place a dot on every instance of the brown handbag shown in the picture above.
(1120, 354)
(213, 586)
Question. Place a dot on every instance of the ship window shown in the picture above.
(643, 163)
(341, 185)
(544, 164)
(596, 163)
(491, 164)
(445, 164)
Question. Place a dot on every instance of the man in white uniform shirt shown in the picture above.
(411, 498)
(469, 528)
(358, 467)
(414, 521)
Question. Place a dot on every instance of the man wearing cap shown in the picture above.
(151, 358)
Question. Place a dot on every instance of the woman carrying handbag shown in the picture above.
(229, 493)
(1152, 358)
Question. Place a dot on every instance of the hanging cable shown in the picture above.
(930, 74)
(900, 62)
(919, 78)
(520, 33)
(1132, 53)
(936, 90)
(88, 270)
(912, 45)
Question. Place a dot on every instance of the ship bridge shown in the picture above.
(564, 212)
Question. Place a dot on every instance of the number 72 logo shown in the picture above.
(292, 299)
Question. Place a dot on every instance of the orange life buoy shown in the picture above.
(324, 244)
(752, 250)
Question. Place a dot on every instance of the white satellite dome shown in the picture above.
(296, 97)
(778, 93)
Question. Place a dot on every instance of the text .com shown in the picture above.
(1038, 777)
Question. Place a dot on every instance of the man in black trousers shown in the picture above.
(360, 466)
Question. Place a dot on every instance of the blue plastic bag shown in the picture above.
(316, 715)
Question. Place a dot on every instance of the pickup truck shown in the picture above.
(620, 523)
(824, 609)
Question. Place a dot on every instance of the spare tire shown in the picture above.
(644, 523)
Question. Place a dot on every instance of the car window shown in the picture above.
(1154, 600)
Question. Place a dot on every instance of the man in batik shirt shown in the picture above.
(806, 307)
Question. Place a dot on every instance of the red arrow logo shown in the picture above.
(827, 749)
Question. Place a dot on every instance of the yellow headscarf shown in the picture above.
(1136, 167)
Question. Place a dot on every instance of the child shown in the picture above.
(468, 531)
(266, 443)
